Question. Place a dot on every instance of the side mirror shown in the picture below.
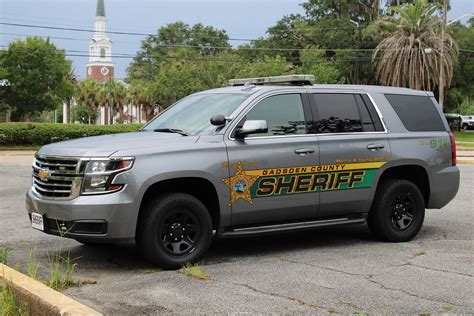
(252, 127)
(218, 120)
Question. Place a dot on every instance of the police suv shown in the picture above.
(263, 155)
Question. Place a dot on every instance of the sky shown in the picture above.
(242, 19)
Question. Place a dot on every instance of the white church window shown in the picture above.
(102, 53)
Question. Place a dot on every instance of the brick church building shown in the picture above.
(101, 68)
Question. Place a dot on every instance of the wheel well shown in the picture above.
(412, 173)
(200, 188)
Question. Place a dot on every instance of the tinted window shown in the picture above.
(373, 113)
(417, 113)
(367, 123)
(337, 113)
(284, 114)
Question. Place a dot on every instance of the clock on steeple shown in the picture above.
(100, 66)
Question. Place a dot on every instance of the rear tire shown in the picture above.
(398, 211)
(175, 229)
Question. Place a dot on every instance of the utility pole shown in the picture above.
(442, 75)
(356, 66)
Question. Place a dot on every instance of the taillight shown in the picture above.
(453, 148)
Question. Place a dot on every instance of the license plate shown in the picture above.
(37, 221)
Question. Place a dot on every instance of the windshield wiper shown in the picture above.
(171, 130)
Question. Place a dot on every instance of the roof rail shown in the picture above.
(295, 80)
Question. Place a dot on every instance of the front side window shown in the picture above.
(192, 114)
(102, 53)
(284, 114)
(337, 113)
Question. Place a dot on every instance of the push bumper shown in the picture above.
(106, 218)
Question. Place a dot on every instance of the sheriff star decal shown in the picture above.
(240, 185)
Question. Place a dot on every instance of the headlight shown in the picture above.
(99, 174)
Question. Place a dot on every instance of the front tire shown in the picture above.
(398, 211)
(175, 229)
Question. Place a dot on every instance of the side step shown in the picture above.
(275, 228)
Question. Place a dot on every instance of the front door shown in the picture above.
(270, 178)
(353, 146)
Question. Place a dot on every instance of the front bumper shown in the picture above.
(107, 218)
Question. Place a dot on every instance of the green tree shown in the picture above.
(463, 78)
(38, 74)
(87, 95)
(140, 95)
(314, 62)
(157, 48)
(176, 78)
(269, 66)
(362, 11)
(112, 94)
(410, 57)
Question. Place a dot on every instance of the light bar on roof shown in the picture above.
(298, 80)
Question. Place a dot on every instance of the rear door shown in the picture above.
(353, 145)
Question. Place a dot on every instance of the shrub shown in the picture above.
(12, 134)
(83, 114)
(466, 107)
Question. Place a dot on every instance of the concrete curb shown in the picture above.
(40, 299)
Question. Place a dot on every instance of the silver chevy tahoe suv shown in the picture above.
(263, 155)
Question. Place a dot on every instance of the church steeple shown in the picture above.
(100, 66)
(100, 8)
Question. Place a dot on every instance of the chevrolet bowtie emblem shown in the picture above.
(43, 174)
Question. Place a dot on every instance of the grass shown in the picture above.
(9, 305)
(31, 265)
(194, 271)
(465, 136)
(4, 254)
(61, 271)
(4, 148)
(465, 145)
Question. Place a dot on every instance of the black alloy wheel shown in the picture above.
(403, 208)
(398, 211)
(179, 232)
(174, 229)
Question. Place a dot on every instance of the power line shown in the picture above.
(48, 27)
(78, 53)
(257, 34)
(227, 47)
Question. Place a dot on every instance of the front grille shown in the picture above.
(56, 177)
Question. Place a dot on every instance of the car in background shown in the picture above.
(467, 122)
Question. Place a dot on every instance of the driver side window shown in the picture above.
(284, 115)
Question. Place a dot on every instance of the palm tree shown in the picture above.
(411, 56)
(88, 93)
(139, 94)
(73, 80)
(113, 95)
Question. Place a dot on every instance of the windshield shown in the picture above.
(192, 114)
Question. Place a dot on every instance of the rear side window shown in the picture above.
(345, 113)
(337, 113)
(417, 113)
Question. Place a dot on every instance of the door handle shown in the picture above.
(374, 147)
(304, 151)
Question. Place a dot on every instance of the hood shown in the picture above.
(106, 145)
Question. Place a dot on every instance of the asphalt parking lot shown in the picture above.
(333, 270)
